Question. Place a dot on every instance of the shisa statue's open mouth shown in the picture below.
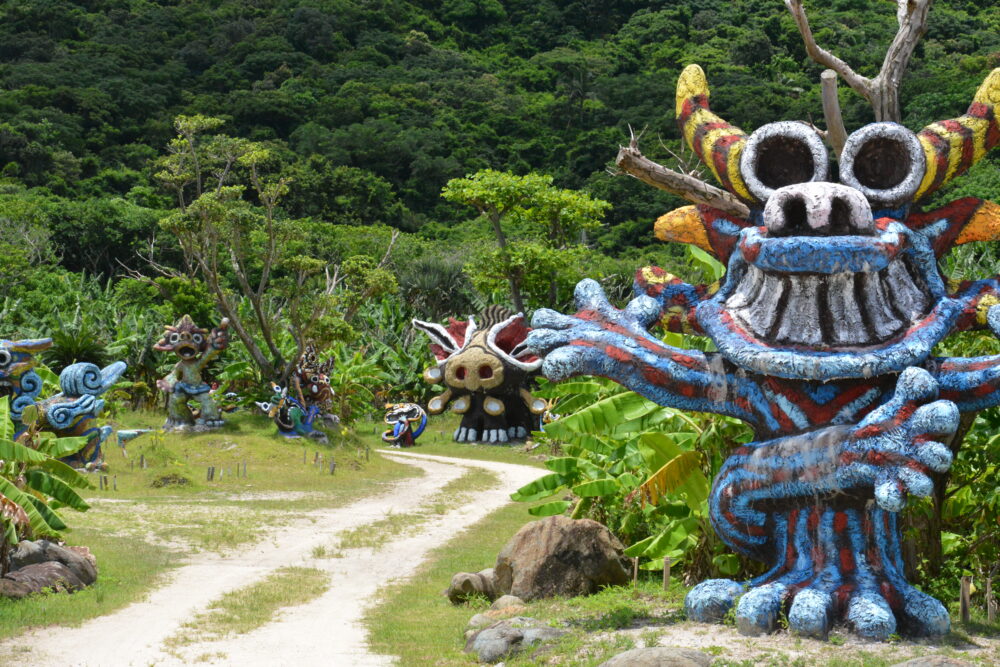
(827, 280)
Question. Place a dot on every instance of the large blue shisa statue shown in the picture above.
(73, 411)
(824, 324)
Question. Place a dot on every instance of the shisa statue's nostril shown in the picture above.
(796, 216)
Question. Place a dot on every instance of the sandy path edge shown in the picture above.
(327, 630)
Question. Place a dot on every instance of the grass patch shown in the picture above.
(129, 568)
(138, 531)
(240, 611)
(430, 630)
(375, 535)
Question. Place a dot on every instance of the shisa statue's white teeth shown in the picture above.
(824, 310)
(800, 317)
(848, 327)
(882, 320)
(908, 299)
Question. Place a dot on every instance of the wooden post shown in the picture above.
(114, 481)
(368, 453)
(991, 604)
(244, 469)
(142, 461)
(303, 456)
(666, 573)
(964, 599)
(333, 466)
(100, 482)
(131, 465)
(209, 473)
(635, 577)
(222, 473)
(315, 458)
(104, 478)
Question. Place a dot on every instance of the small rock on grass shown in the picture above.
(659, 656)
(505, 601)
(509, 636)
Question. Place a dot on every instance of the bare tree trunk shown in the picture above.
(836, 133)
(882, 92)
(515, 287)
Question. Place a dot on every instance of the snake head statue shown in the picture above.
(406, 422)
(486, 370)
(824, 325)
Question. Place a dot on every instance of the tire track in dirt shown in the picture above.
(325, 631)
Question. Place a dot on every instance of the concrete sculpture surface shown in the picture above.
(406, 421)
(824, 323)
(195, 348)
(486, 371)
(73, 411)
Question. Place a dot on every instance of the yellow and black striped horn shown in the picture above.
(717, 143)
(952, 146)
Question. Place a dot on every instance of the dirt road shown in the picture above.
(326, 631)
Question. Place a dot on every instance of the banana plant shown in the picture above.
(640, 468)
(34, 483)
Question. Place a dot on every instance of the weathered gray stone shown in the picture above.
(465, 584)
(659, 656)
(51, 575)
(560, 556)
(14, 589)
(934, 661)
(505, 601)
(509, 636)
(480, 621)
(84, 570)
(27, 553)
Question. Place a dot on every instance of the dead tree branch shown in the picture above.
(882, 92)
(634, 163)
(836, 133)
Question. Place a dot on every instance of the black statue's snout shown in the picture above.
(818, 209)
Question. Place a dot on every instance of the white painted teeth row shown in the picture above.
(463, 434)
(890, 303)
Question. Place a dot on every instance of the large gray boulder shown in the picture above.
(84, 568)
(560, 556)
(659, 656)
(510, 636)
(50, 576)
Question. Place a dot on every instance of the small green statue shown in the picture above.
(195, 347)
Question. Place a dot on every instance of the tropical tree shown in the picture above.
(534, 223)
(234, 238)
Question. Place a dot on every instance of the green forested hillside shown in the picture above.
(377, 104)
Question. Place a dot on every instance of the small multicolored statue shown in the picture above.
(308, 397)
(486, 370)
(195, 348)
(407, 422)
(824, 324)
(71, 413)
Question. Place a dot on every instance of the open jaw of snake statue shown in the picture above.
(824, 324)
(487, 372)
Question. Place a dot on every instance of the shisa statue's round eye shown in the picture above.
(5, 358)
(885, 161)
(197, 339)
(781, 154)
(174, 337)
